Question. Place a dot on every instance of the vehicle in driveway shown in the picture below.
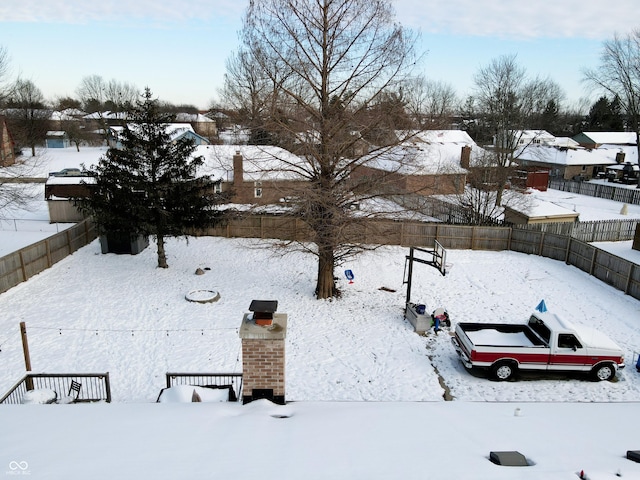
(546, 343)
(68, 172)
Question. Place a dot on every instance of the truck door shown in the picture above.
(568, 353)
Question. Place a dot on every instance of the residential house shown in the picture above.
(585, 156)
(432, 162)
(7, 145)
(202, 125)
(574, 162)
(176, 131)
(522, 138)
(252, 174)
(600, 139)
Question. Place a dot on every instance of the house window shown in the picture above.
(217, 188)
(257, 192)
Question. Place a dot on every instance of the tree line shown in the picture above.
(338, 83)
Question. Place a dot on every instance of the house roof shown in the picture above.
(260, 163)
(193, 118)
(56, 133)
(420, 159)
(560, 156)
(617, 138)
(458, 137)
(174, 130)
(534, 208)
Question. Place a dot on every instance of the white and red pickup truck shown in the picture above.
(545, 343)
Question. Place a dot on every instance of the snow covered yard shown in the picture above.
(121, 314)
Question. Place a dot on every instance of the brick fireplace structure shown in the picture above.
(263, 334)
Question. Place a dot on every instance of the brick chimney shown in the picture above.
(465, 156)
(238, 169)
(263, 334)
(620, 158)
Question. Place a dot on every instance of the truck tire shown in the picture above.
(604, 371)
(504, 370)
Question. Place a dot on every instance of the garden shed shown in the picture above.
(57, 139)
(536, 211)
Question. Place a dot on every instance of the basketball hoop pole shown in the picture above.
(437, 261)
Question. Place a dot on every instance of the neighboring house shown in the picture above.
(57, 139)
(433, 162)
(7, 145)
(522, 138)
(574, 162)
(599, 139)
(201, 124)
(253, 174)
(176, 131)
(179, 131)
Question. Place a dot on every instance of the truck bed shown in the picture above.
(501, 335)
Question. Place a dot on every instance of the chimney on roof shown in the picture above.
(620, 158)
(238, 169)
(465, 156)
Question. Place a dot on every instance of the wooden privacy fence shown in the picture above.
(618, 272)
(19, 266)
(594, 231)
(611, 269)
(610, 192)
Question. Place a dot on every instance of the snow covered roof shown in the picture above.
(174, 130)
(260, 163)
(458, 137)
(193, 118)
(419, 159)
(571, 156)
(618, 138)
(76, 180)
(541, 209)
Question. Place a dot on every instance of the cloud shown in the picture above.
(81, 11)
(520, 19)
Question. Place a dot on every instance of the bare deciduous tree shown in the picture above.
(431, 103)
(619, 76)
(246, 92)
(509, 102)
(327, 63)
(4, 73)
(30, 116)
(99, 96)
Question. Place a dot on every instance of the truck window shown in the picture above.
(568, 340)
(540, 328)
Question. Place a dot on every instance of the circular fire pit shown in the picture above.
(202, 296)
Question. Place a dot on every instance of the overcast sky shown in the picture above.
(179, 49)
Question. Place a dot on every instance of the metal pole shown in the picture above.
(410, 274)
(27, 357)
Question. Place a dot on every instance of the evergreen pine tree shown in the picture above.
(148, 186)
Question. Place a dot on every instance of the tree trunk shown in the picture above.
(325, 287)
(162, 257)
